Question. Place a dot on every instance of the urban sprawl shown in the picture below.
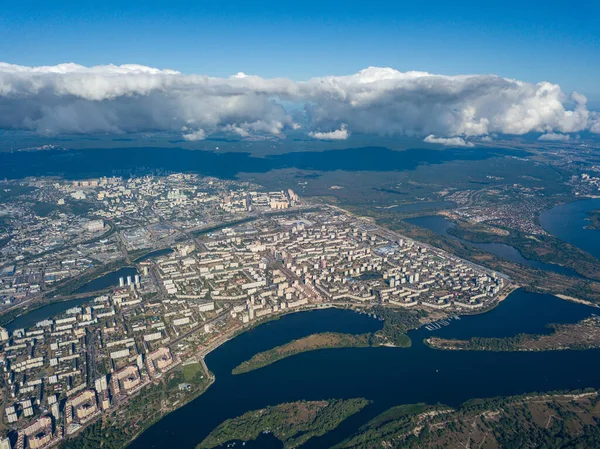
(223, 256)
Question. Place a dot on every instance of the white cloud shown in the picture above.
(193, 136)
(555, 136)
(69, 98)
(234, 129)
(338, 134)
(448, 141)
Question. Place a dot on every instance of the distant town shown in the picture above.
(207, 258)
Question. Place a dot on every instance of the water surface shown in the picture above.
(108, 280)
(387, 376)
(35, 316)
(80, 164)
(440, 225)
(153, 254)
(568, 222)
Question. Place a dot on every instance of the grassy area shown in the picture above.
(193, 372)
(310, 343)
(398, 412)
(292, 423)
(396, 322)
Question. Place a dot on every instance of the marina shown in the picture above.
(441, 323)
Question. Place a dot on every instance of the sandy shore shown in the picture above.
(580, 301)
(507, 291)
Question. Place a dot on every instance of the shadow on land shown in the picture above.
(79, 164)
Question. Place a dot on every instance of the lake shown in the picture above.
(387, 376)
(440, 225)
(568, 221)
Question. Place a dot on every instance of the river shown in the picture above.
(108, 280)
(154, 254)
(440, 225)
(35, 316)
(387, 376)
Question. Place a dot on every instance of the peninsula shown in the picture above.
(582, 335)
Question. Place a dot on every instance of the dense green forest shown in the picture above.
(292, 423)
(537, 421)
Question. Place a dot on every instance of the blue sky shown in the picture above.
(528, 40)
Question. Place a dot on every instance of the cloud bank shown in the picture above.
(69, 98)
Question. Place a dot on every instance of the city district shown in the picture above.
(212, 257)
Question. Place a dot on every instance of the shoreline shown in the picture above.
(506, 293)
(581, 336)
(577, 300)
(308, 308)
(249, 326)
(355, 307)
(212, 379)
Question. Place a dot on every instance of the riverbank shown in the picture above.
(391, 316)
(396, 322)
(577, 300)
(211, 380)
(62, 292)
(123, 425)
(580, 336)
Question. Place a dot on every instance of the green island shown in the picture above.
(582, 335)
(310, 343)
(555, 420)
(396, 323)
(292, 423)
(594, 218)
